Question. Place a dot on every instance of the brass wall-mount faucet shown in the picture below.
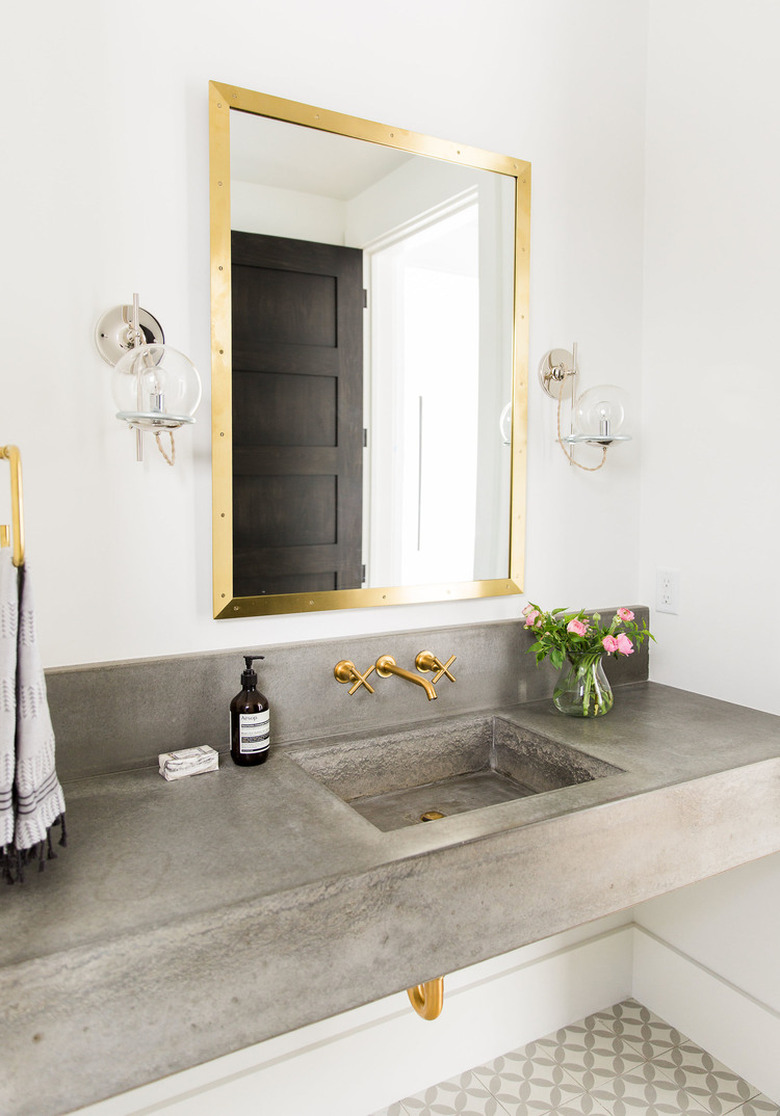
(346, 672)
(386, 665)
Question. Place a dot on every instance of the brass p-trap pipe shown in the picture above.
(427, 999)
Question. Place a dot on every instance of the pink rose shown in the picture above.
(625, 614)
(576, 627)
(531, 618)
(624, 644)
(529, 608)
(610, 644)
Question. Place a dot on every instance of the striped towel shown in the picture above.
(31, 798)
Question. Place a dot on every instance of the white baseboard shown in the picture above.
(363, 1060)
(730, 1024)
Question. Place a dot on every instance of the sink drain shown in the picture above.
(431, 815)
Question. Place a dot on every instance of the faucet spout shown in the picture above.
(386, 665)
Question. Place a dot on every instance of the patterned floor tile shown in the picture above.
(638, 1026)
(546, 1059)
(536, 1079)
(462, 1096)
(593, 1034)
(521, 1065)
(599, 1064)
(624, 1061)
(646, 1093)
(526, 1088)
(757, 1106)
(582, 1105)
(576, 1104)
(708, 1080)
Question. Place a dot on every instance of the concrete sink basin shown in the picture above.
(422, 774)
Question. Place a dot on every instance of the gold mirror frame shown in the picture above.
(222, 99)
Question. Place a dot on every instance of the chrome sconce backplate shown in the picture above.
(557, 373)
(114, 334)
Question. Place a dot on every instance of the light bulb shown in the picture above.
(600, 412)
(155, 386)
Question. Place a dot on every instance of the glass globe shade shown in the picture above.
(156, 387)
(600, 412)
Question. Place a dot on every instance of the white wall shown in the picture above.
(738, 1029)
(105, 193)
(711, 385)
(711, 396)
(275, 212)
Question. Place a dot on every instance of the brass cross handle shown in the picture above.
(426, 661)
(346, 672)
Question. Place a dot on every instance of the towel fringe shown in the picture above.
(13, 861)
(5, 864)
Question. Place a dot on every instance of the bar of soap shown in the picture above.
(189, 761)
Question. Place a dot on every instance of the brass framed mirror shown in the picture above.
(369, 354)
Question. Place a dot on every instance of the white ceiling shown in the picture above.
(293, 157)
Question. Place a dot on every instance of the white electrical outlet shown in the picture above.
(667, 591)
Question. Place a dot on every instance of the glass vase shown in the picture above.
(582, 689)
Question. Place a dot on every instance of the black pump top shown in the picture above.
(249, 676)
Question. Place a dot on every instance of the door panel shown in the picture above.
(297, 415)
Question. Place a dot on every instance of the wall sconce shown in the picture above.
(596, 418)
(155, 388)
(505, 424)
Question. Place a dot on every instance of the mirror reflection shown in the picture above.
(373, 298)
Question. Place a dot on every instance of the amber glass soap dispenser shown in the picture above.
(250, 720)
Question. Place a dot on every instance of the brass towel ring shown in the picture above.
(427, 999)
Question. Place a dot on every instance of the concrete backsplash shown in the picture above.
(118, 716)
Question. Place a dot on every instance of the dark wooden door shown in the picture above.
(297, 415)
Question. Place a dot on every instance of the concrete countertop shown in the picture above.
(190, 919)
